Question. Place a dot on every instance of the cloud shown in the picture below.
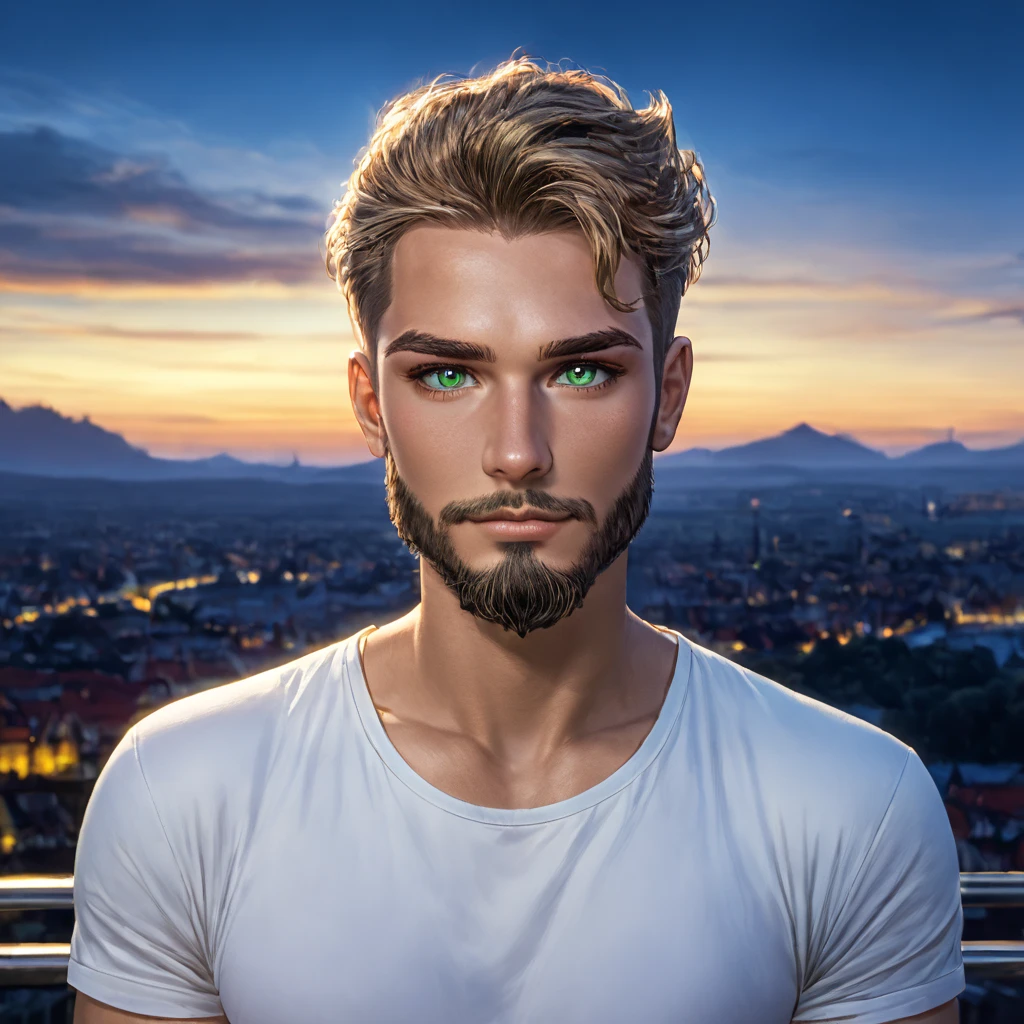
(44, 375)
(75, 210)
(1001, 313)
(173, 418)
(42, 169)
(72, 330)
(121, 124)
(35, 255)
(734, 288)
(135, 334)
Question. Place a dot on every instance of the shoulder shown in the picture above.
(851, 835)
(236, 710)
(776, 713)
(197, 773)
(800, 755)
(226, 738)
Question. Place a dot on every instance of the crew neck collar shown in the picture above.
(641, 759)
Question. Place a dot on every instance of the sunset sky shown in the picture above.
(166, 171)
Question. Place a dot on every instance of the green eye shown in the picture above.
(581, 375)
(448, 378)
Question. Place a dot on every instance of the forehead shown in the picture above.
(479, 286)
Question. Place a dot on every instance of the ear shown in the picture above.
(365, 404)
(675, 386)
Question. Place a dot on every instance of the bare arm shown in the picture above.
(947, 1013)
(88, 1011)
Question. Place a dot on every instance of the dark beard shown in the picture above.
(520, 593)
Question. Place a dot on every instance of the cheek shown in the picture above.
(602, 439)
(431, 448)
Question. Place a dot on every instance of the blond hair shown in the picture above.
(526, 150)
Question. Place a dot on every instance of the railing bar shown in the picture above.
(46, 963)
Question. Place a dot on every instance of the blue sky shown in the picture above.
(866, 272)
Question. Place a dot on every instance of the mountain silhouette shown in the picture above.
(39, 441)
(942, 453)
(802, 446)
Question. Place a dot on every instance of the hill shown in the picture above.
(39, 441)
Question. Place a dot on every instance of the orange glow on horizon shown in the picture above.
(259, 369)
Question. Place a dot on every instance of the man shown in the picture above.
(520, 802)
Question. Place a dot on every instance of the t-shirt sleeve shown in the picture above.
(893, 947)
(137, 943)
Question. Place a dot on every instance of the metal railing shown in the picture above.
(35, 963)
(46, 963)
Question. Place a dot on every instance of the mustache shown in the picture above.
(520, 593)
(575, 508)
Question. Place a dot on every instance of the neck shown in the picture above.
(446, 668)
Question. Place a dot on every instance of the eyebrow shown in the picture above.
(449, 348)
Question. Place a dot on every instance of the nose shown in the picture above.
(516, 445)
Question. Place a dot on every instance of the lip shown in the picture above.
(520, 516)
(508, 528)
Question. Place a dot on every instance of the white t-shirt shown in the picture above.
(262, 850)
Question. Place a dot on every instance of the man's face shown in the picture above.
(486, 414)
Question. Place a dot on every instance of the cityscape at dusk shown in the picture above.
(188, 505)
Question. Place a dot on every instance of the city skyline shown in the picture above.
(166, 182)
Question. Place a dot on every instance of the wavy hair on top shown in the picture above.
(526, 150)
